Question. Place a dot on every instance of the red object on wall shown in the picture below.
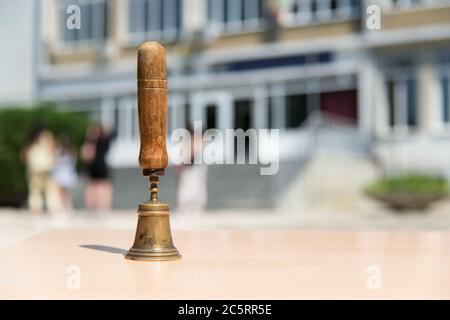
(341, 103)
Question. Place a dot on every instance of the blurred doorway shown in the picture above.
(211, 116)
(242, 120)
(242, 114)
(340, 103)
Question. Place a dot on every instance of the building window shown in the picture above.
(445, 86)
(296, 110)
(211, 117)
(270, 110)
(402, 104)
(235, 15)
(187, 117)
(305, 11)
(243, 114)
(154, 19)
(409, 3)
(93, 22)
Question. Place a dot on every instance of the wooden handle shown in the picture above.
(152, 107)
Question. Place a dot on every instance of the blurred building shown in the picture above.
(263, 64)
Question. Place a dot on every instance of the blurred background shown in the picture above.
(362, 106)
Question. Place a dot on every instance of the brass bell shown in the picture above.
(153, 240)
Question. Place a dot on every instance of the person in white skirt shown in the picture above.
(64, 172)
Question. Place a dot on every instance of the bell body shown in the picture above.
(153, 240)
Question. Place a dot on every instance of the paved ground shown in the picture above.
(366, 215)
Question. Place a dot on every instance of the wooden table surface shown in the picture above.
(227, 264)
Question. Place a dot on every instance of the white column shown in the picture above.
(278, 96)
(107, 112)
(135, 118)
(121, 21)
(260, 105)
(180, 112)
(197, 108)
(366, 105)
(225, 111)
(401, 105)
(194, 14)
(429, 97)
(128, 118)
(177, 112)
(380, 104)
(124, 125)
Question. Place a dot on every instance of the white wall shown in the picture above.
(17, 51)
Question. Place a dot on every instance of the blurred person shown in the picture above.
(98, 194)
(64, 172)
(191, 193)
(38, 155)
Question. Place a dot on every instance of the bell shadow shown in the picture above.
(104, 248)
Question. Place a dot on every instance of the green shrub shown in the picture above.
(413, 184)
(15, 126)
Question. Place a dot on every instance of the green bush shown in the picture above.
(15, 126)
(413, 184)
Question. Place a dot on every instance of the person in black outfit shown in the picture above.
(98, 195)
